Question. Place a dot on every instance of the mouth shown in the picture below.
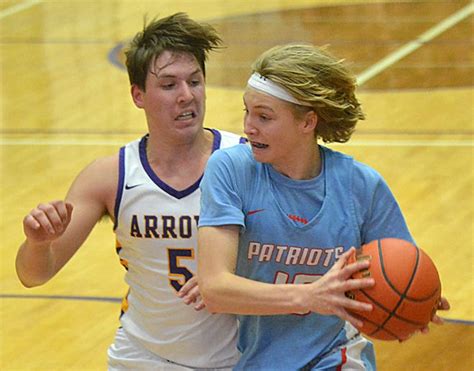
(258, 145)
(188, 115)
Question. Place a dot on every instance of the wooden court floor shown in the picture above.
(64, 101)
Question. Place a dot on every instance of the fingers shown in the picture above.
(345, 258)
(443, 304)
(49, 219)
(191, 295)
(188, 286)
(351, 317)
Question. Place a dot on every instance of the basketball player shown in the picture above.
(150, 189)
(288, 210)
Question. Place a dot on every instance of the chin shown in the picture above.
(259, 157)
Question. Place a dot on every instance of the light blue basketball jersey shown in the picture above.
(293, 232)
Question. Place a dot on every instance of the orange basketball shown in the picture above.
(406, 292)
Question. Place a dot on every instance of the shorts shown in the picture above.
(356, 354)
(126, 354)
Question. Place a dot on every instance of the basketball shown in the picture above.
(406, 292)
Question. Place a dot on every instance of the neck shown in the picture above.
(164, 150)
(306, 165)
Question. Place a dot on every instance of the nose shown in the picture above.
(185, 93)
(249, 129)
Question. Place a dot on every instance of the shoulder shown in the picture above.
(227, 139)
(232, 163)
(97, 182)
(239, 154)
(360, 172)
(103, 166)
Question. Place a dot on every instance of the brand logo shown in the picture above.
(251, 212)
(298, 219)
(132, 186)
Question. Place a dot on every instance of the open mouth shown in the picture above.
(186, 116)
(259, 145)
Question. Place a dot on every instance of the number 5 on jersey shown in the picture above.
(178, 273)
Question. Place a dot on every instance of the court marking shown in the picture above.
(63, 297)
(18, 8)
(409, 48)
(111, 299)
(352, 143)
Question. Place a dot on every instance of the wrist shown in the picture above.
(301, 299)
(37, 245)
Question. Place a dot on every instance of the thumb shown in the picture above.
(69, 208)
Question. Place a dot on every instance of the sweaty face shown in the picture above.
(272, 129)
(174, 98)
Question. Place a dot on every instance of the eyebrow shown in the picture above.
(158, 76)
(262, 106)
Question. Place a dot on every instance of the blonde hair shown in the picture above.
(314, 76)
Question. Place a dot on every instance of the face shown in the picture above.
(174, 96)
(274, 132)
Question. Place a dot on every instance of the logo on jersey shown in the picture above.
(298, 219)
(252, 212)
(132, 186)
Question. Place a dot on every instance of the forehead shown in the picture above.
(255, 98)
(174, 62)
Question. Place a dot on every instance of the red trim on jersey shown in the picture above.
(343, 359)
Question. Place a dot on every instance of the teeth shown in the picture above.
(186, 115)
(259, 145)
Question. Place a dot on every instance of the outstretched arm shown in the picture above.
(55, 230)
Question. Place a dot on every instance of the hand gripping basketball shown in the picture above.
(407, 289)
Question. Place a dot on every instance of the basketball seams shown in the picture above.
(405, 291)
(388, 311)
(389, 282)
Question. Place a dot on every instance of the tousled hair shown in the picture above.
(314, 76)
(175, 33)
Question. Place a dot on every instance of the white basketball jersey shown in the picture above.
(156, 230)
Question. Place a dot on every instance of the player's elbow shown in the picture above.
(27, 282)
(27, 278)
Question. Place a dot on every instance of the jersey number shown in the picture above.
(179, 274)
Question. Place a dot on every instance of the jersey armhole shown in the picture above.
(121, 178)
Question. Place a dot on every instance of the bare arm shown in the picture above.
(55, 230)
(225, 292)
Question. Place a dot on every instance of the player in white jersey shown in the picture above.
(150, 189)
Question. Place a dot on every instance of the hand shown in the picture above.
(47, 222)
(191, 295)
(443, 304)
(328, 294)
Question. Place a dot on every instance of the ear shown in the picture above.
(310, 121)
(137, 95)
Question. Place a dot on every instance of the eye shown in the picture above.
(195, 82)
(168, 86)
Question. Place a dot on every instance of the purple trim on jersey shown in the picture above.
(118, 197)
(217, 139)
(165, 187)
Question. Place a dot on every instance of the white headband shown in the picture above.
(265, 85)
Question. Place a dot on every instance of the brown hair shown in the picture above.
(176, 33)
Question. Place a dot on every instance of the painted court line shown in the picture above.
(409, 48)
(18, 8)
(353, 142)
